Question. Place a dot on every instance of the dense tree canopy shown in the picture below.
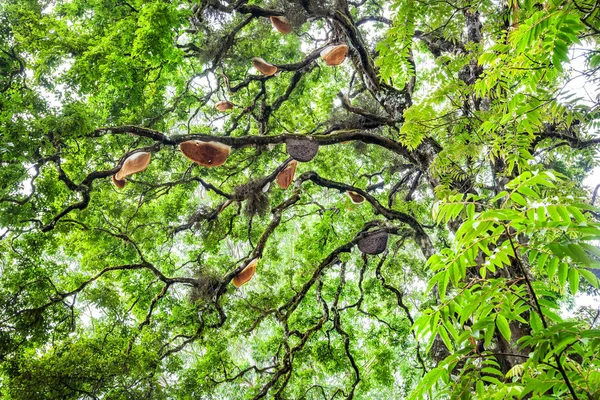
(233, 199)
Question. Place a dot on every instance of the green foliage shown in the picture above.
(479, 298)
(457, 122)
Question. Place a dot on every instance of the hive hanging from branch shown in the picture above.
(281, 24)
(119, 183)
(334, 55)
(135, 163)
(246, 274)
(374, 242)
(224, 105)
(355, 197)
(286, 176)
(224, 206)
(302, 150)
(207, 154)
(264, 67)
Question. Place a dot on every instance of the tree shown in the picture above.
(424, 252)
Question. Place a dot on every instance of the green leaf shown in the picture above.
(551, 267)
(535, 321)
(517, 198)
(503, 327)
(563, 270)
(590, 277)
(573, 280)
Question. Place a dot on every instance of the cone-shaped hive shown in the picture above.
(286, 176)
(246, 274)
(264, 67)
(119, 183)
(355, 197)
(224, 206)
(334, 55)
(207, 154)
(281, 24)
(133, 164)
(224, 105)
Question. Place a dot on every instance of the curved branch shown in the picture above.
(420, 236)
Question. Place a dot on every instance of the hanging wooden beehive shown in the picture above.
(224, 206)
(286, 176)
(135, 163)
(264, 67)
(355, 197)
(246, 274)
(224, 105)
(334, 55)
(207, 154)
(281, 24)
(119, 183)
(373, 243)
(302, 150)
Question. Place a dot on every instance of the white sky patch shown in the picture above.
(584, 88)
(568, 310)
(593, 179)
(588, 93)
(26, 185)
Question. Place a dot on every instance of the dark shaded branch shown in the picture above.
(421, 237)
(337, 323)
(244, 141)
(400, 301)
(374, 18)
(437, 44)
(359, 111)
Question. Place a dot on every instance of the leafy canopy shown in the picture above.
(461, 131)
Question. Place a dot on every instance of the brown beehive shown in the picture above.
(334, 55)
(373, 243)
(207, 154)
(246, 274)
(302, 150)
(281, 24)
(286, 176)
(224, 105)
(135, 163)
(119, 183)
(355, 197)
(264, 67)
(224, 206)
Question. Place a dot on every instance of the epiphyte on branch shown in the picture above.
(207, 154)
